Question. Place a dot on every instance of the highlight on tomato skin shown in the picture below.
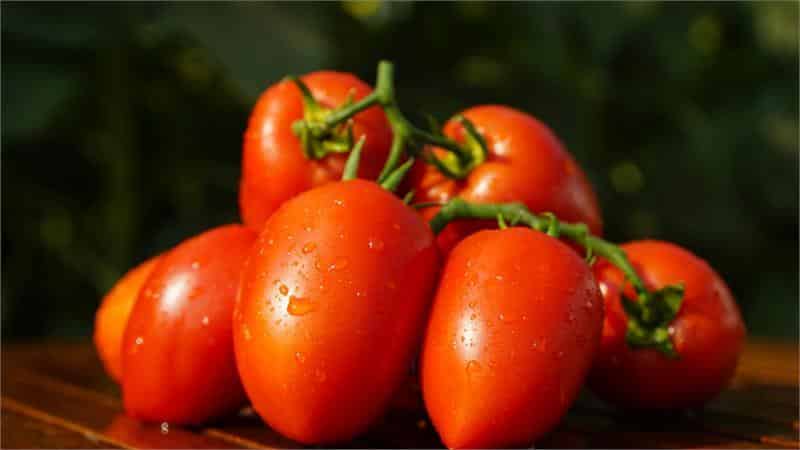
(512, 333)
(708, 334)
(332, 308)
(177, 352)
(112, 317)
(274, 166)
(526, 163)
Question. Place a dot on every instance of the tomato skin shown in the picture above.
(526, 163)
(274, 168)
(708, 333)
(331, 309)
(112, 316)
(512, 333)
(177, 353)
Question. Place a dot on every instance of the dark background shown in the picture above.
(122, 124)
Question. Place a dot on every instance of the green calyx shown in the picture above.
(470, 154)
(318, 140)
(649, 317)
(323, 131)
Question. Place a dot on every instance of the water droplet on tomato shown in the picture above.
(339, 264)
(589, 304)
(283, 289)
(308, 229)
(309, 247)
(376, 244)
(299, 306)
(499, 277)
(559, 355)
(246, 333)
(338, 202)
(139, 340)
(300, 357)
(473, 367)
(205, 321)
(271, 242)
(195, 265)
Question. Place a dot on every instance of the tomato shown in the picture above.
(177, 352)
(525, 163)
(274, 167)
(331, 309)
(707, 333)
(112, 316)
(511, 335)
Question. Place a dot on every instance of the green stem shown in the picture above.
(464, 157)
(351, 166)
(396, 177)
(648, 318)
(516, 213)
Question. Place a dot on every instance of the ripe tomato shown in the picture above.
(512, 333)
(274, 168)
(177, 352)
(331, 308)
(525, 163)
(112, 316)
(707, 333)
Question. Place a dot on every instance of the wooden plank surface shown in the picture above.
(55, 394)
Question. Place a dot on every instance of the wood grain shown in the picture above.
(55, 394)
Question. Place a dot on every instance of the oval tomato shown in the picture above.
(331, 309)
(112, 316)
(707, 333)
(274, 167)
(177, 353)
(512, 333)
(525, 163)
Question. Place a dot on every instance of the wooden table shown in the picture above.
(56, 395)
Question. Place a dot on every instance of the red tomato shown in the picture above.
(112, 316)
(707, 333)
(526, 163)
(331, 309)
(512, 333)
(177, 352)
(274, 168)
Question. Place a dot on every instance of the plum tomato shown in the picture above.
(274, 167)
(177, 353)
(513, 329)
(707, 333)
(525, 163)
(332, 308)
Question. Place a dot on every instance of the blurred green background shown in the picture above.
(122, 124)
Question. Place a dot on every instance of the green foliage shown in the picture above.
(122, 123)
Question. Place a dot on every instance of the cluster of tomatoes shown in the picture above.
(489, 271)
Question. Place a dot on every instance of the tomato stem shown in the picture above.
(351, 166)
(396, 177)
(458, 161)
(648, 316)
